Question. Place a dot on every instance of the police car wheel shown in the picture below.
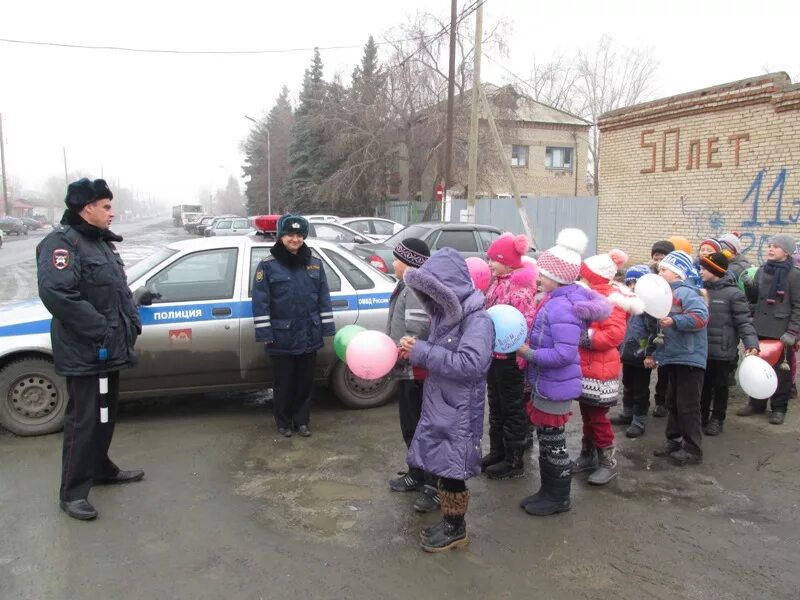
(32, 397)
(355, 392)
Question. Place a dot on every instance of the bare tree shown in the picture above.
(603, 78)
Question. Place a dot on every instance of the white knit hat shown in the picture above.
(562, 262)
(603, 266)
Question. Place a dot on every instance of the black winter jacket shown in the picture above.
(773, 320)
(291, 302)
(82, 283)
(729, 320)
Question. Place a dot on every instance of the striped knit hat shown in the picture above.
(412, 252)
(716, 264)
(562, 262)
(679, 263)
(635, 272)
(712, 243)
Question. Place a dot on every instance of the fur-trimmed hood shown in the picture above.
(587, 304)
(625, 299)
(444, 287)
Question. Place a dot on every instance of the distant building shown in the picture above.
(712, 161)
(546, 148)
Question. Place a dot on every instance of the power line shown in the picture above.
(464, 14)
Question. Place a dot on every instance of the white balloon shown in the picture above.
(757, 378)
(656, 294)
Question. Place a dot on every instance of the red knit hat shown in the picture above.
(508, 250)
(602, 268)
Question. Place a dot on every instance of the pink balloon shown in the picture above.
(479, 272)
(371, 354)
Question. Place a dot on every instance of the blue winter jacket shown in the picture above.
(291, 302)
(685, 343)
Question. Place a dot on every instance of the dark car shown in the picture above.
(13, 225)
(31, 224)
(469, 239)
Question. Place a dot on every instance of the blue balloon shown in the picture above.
(510, 328)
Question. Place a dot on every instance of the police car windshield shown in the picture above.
(143, 266)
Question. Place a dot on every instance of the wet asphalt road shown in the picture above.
(230, 510)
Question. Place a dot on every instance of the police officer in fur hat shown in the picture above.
(95, 324)
(291, 314)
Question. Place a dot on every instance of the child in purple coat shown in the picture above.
(457, 355)
(554, 366)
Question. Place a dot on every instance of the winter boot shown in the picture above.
(496, 450)
(428, 500)
(587, 461)
(750, 409)
(660, 410)
(669, 447)
(637, 427)
(407, 482)
(623, 418)
(607, 467)
(451, 531)
(714, 427)
(553, 495)
(777, 417)
(511, 467)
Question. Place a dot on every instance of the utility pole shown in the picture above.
(451, 83)
(472, 160)
(6, 206)
(507, 168)
(66, 176)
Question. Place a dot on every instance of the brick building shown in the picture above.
(721, 159)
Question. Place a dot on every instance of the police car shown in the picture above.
(197, 330)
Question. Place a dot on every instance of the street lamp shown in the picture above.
(269, 168)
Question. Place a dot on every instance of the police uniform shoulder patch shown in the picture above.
(60, 258)
(259, 275)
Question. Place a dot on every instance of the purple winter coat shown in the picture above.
(555, 374)
(457, 355)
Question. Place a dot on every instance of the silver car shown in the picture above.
(230, 226)
(197, 336)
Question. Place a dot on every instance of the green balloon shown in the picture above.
(342, 339)
(748, 275)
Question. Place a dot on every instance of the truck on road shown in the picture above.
(183, 213)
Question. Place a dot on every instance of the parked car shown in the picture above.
(31, 224)
(376, 228)
(202, 228)
(468, 238)
(231, 226)
(191, 226)
(13, 225)
(334, 232)
(323, 218)
(197, 333)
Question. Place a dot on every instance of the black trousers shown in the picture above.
(507, 417)
(86, 440)
(293, 378)
(636, 389)
(661, 387)
(780, 399)
(409, 404)
(714, 401)
(684, 388)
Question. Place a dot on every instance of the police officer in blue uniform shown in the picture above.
(291, 314)
(95, 324)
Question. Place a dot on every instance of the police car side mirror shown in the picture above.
(144, 297)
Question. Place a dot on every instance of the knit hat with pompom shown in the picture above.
(602, 268)
(562, 262)
(508, 250)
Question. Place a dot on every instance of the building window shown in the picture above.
(519, 156)
(558, 158)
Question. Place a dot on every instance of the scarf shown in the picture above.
(780, 277)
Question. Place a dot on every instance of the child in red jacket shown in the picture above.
(600, 366)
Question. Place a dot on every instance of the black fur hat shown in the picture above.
(83, 192)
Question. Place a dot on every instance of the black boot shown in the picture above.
(428, 500)
(587, 461)
(451, 532)
(496, 450)
(512, 466)
(553, 495)
(623, 418)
